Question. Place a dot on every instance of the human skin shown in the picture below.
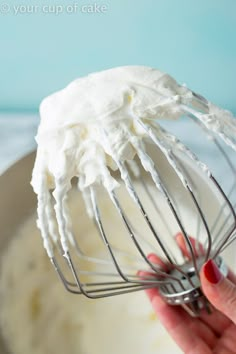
(207, 334)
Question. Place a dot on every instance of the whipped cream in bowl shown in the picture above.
(37, 315)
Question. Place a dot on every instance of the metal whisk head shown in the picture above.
(164, 191)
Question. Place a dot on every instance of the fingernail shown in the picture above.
(212, 272)
(152, 257)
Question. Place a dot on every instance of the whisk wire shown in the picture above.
(178, 281)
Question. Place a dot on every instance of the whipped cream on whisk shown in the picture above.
(75, 120)
(100, 121)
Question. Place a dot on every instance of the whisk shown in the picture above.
(163, 190)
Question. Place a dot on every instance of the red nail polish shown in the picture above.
(212, 272)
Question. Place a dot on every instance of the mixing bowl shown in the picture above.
(16, 204)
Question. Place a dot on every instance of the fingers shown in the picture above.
(231, 276)
(217, 320)
(153, 258)
(190, 334)
(221, 318)
(180, 239)
(197, 247)
(220, 291)
(160, 267)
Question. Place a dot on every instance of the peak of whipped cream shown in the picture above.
(78, 121)
(109, 95)
(95, 121)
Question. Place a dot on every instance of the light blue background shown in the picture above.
(195, 41)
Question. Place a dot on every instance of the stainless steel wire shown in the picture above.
(171, 189)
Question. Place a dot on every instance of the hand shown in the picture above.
(214, 333)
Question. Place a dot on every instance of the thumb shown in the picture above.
(220, 291)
